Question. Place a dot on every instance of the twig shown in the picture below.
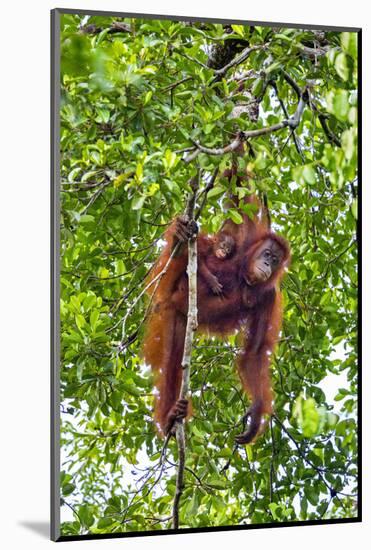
(229, 461)
(125, 341)
(194, 60)
(283, 107)
(156, 280)
(193, 155)
(94, 197)
(292, 83)
(208, 187)
(335, 259)
(329, 134)
(73, 510)
(175, 84)
(302, 454)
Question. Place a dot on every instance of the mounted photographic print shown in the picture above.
(205, 230)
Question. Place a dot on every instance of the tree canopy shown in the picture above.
(145, 105)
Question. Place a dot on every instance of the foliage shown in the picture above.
(133, 103)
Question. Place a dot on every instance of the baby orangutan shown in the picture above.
(221, 247)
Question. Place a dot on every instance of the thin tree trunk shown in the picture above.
(186, 361)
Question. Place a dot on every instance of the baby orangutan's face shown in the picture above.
(224, 247)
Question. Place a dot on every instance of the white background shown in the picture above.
(24, 272)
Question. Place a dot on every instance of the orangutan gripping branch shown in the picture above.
(238, 290)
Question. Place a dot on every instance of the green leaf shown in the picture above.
(235, 216)
(332, 420)
(104, 115)
(72, 175)
(139, 172)
(120, 179)
(257, 87)
(310, 422)
(311, 492)
(115, 400)
(309, 174)
(95, 157)
(273, 508)
(89, 301)
(307, 415)
(341, 66)
(170, 159)
(102, 35)
(239, 29)
(147, 97)
(137, 202)
(338, 103)
(80, 321)
(120, 267)
(131, 389)
(349, 143)
(89, 176)
(215, 192)
(103, 523)
(192, 506)
(86, 516)
(348, 42)
(304, 507)
(68, 488)
(217, 484)
(102, 394)
(94, 316)
(86, 218)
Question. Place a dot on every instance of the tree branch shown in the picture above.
(283, 107)
(208, 187)
(175, 84)
(329, 134)
(292, 83)
(291, 122)
(216, 152)
(193, 59)
(116, 26)
(186, 360)
(156, 280)
(313, 52)
(303, 456)
(219, 73)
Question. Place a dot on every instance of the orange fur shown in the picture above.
(255, 310)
